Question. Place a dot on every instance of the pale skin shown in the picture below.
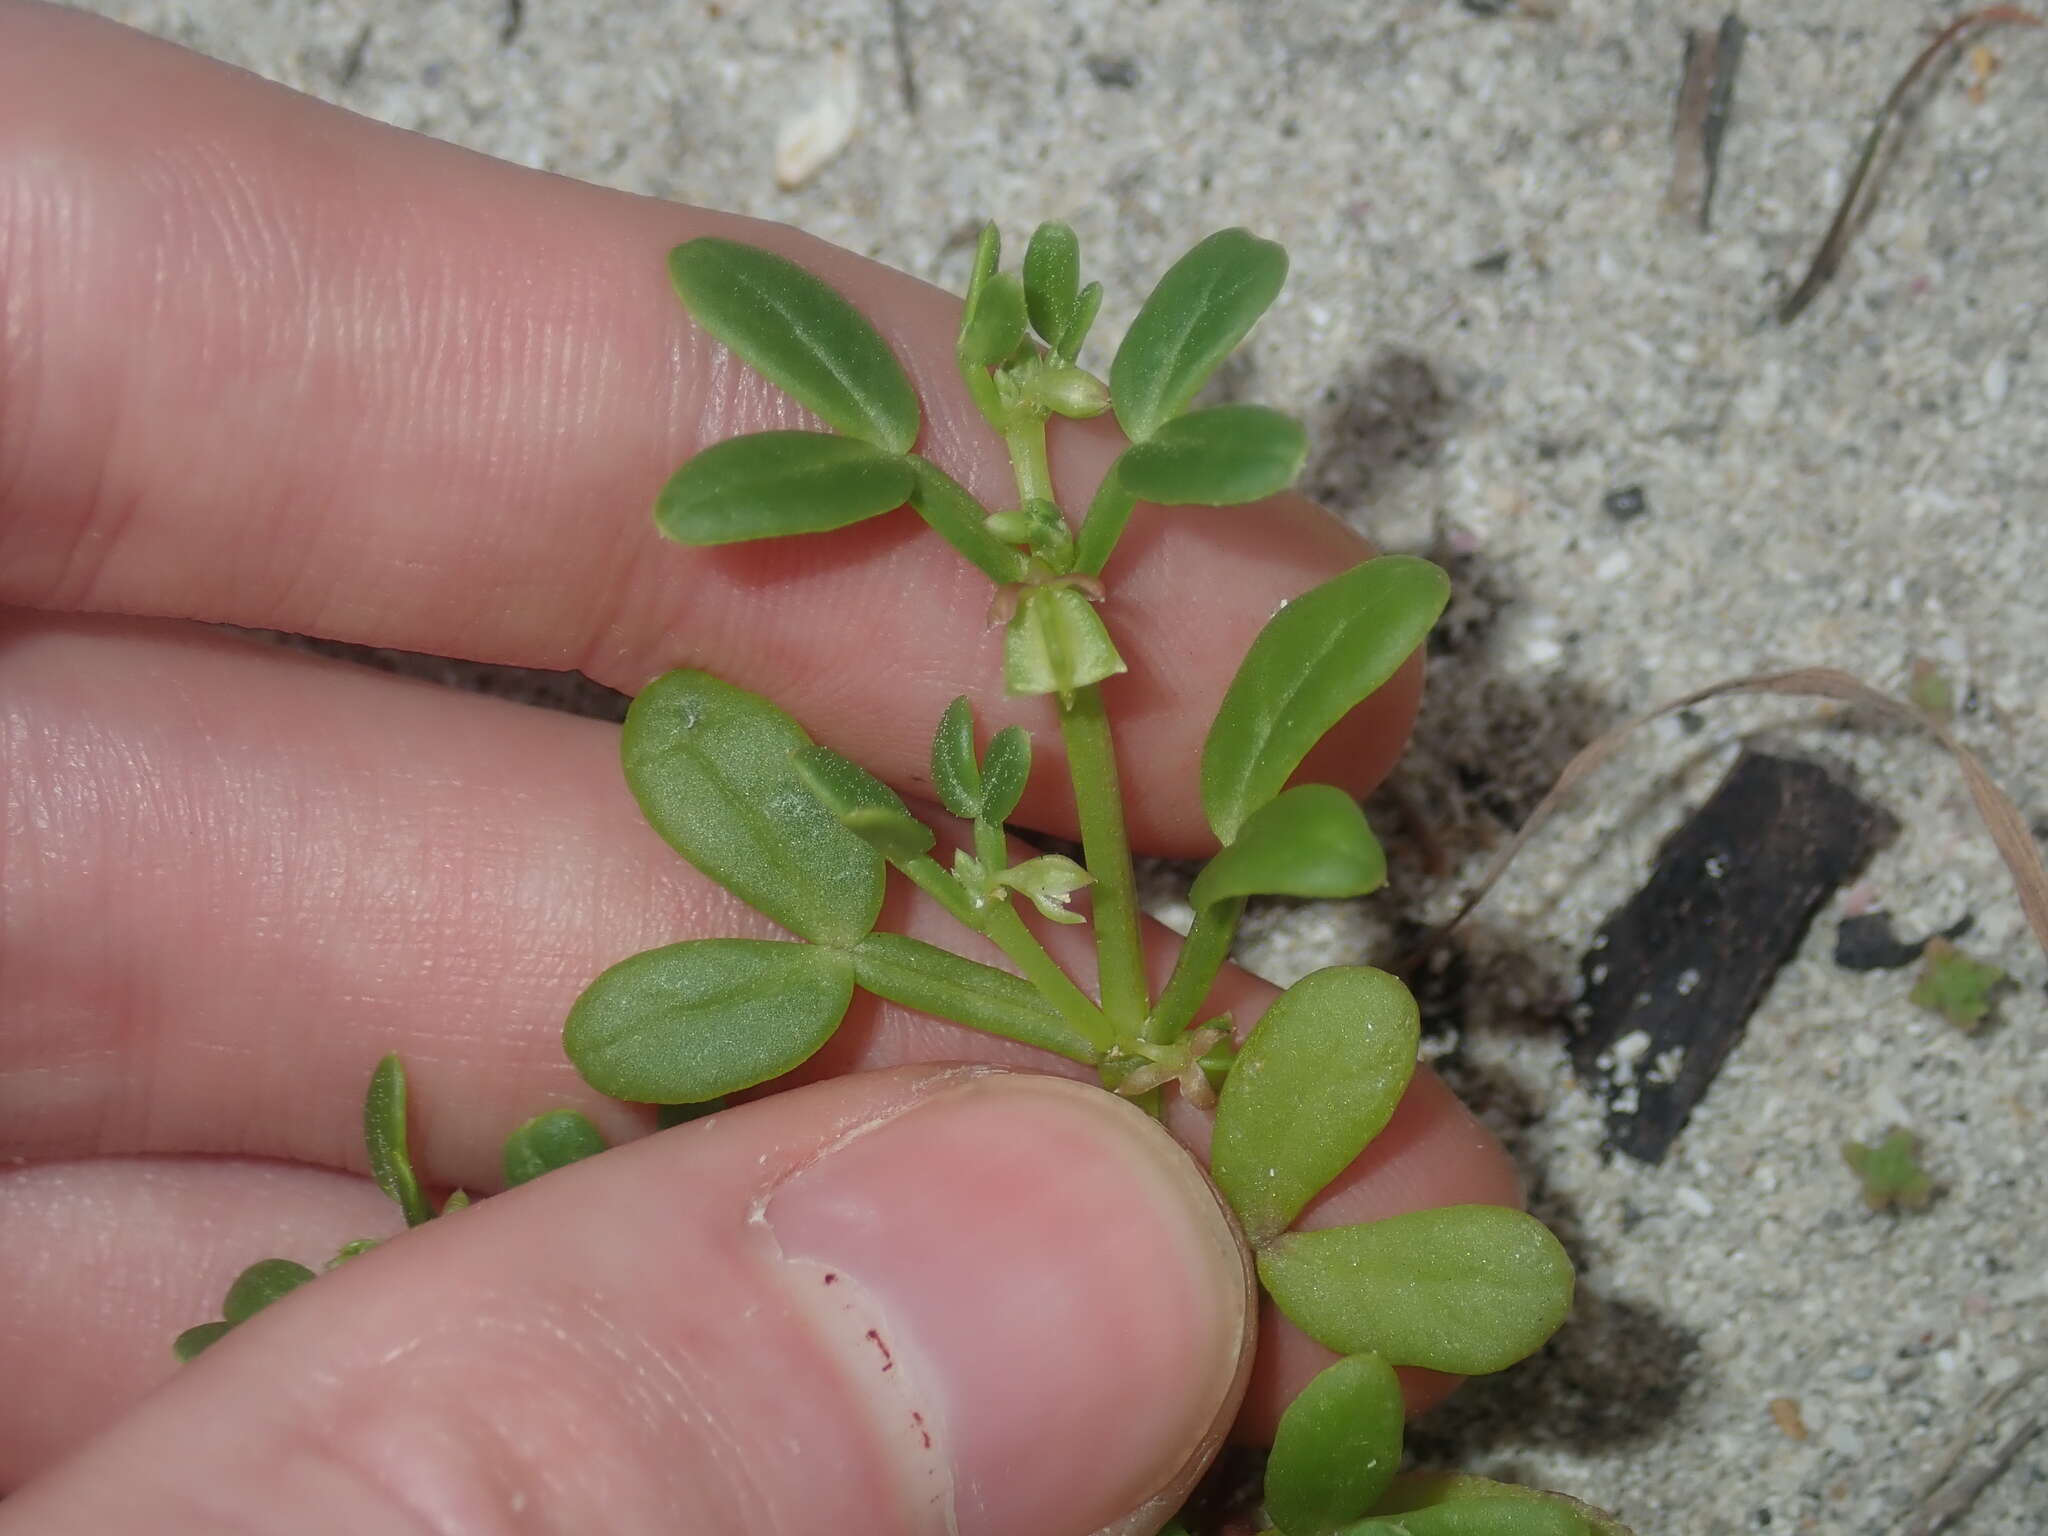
(265, 363)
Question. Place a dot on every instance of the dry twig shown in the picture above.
(1836, 242)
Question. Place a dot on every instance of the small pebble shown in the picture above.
(1626, 504)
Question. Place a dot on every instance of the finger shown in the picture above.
(228, 855)
(271, 363)
(886, 1304)
(106, 1262)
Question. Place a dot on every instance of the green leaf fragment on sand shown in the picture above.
(1958, 988)
(1891, 1172)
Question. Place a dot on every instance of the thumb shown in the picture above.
(926, 1300)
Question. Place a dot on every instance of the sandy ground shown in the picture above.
(1492, 330)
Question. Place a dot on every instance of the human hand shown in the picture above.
(265, 363)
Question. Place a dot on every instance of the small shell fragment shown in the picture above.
(806, 143)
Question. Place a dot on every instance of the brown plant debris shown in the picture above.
(1672, 977)
(1785, 1414)
(1835, 244)
(2002, 820)
(1706, 94)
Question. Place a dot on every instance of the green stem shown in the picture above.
(1025, 439)
(1091, 764)
(1202, 955)
(998, 922)
(1002, 924)
(937, 882)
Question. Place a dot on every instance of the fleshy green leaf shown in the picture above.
(1417, 1491)
(1309, 841)
(1086, 304)
(695, 1020)
(768, 484)
(988, 255)
(194, 1342)
(1193, 320)
(1004, 772)
(1055, 643)
(1052, 279)
(955, 773)
(547, 1142)
(864, 805)
(1315, 660)
(1319, 1077)
(1476, 1517)
(992, 324)
(259, 1285)
(384, 1136)
(710, 765)
(1337, 1447)
(1221, 457)
(938, 982)
(1466, 1288)
(801, 335)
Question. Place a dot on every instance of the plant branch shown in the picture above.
(1202, 955)
(1091, 764)
(1000, 922)
(1026, 442)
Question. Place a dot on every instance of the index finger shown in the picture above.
(269, 363)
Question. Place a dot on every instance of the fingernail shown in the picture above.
(1036, 1294)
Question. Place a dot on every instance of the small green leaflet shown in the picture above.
(1221, 457)
(706, 1017)
(1193, 320)
(956, 774)
(547, 1142)
(259, 1285)
(1337, 1447)
(768, 484)
(1319, 1077)
(194, 1342)
(711, 767)
(1052, 280)
(384, 1135)
(1005, 769)
(1439, 1493)
(1315, 661)
(992, 323)
(1467, 1288)
(1310, 841)
(801, 335)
